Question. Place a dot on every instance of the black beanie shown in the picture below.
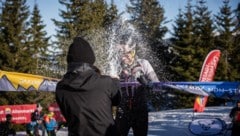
(80, 51)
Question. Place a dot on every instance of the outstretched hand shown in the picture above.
(142, 80)
(115, 76)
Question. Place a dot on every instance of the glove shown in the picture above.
(143, 80)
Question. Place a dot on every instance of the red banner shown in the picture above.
(207, 75)
(209, 66)
(21, 114)
(57, 113)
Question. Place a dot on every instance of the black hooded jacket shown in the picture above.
(86, 98)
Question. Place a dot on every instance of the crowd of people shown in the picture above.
(44, 122)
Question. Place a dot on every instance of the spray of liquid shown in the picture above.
(107, 45)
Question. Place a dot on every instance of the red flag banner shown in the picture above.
(207, 75)
(21, 114)
(209, 66)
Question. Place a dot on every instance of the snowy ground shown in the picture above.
(175, 122)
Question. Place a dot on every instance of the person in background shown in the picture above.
(6, 128)
(30, 128)
(50, 122)
(235, 115)
(36, 123)
(85, 97)
(133, 110)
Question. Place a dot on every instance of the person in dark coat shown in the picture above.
(36, 124)
(6, 128)
(235, 115)
(133, 109)
(86, 97)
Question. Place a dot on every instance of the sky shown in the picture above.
(49, 9)
(177, 122)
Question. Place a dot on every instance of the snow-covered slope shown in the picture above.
(176, 122)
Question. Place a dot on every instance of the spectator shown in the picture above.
(6, 128)
(50, 122)
(30, 128)
(84, 96)
(235, 115)
(36, 123)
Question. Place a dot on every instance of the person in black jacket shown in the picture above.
(86, 97)
(235, 115)
(6, 128)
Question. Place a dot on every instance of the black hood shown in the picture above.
(79, 76)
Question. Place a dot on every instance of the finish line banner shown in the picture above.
(21, 114)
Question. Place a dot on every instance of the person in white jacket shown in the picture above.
(133, 111)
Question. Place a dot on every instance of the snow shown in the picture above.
(176, 122)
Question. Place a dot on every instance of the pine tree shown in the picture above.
(184, 47)
(237, 14)
(178, 29)
(39, 43)
(203, 31)
(225, 25)
(16, 51)
(81, 18)
(148, 17)
(66, 30)
(112, 14)
(14, 55)
(3, 51)
(186, 63)
(236, 43)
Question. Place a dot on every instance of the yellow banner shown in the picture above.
(14, 81)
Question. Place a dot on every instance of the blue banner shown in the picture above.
(220, 89)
